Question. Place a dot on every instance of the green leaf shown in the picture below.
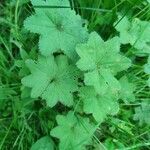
(127, 89)
(44, 143)
(99, 105)
(97, 54)
(123, 27)
(20, 63)
(142, 113)
(102, 60)
(74, 132)
(53, 79)
(136, 33)
(59, 28)
(24, 55)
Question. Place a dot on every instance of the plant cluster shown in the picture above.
(80, 78)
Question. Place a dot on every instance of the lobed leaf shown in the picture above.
(59, 28)
(99, 105)
(74, 132)
(135, 33)
(53, 79)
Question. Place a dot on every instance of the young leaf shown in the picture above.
(74, 132)
(59, 28)
(136, 33)
(52, 79)
(44, 143)
(21, 62)
(99, 105)
(126, 93)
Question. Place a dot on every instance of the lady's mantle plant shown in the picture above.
(75, 68)
(59, 28)
(136, 33)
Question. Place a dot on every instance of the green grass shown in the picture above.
(23, 121)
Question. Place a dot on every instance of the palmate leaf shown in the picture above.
(136, 33)
(99, 105)
(102, 60)
(53, 79)
(59, 28)
(74, 132)
(97, 54)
